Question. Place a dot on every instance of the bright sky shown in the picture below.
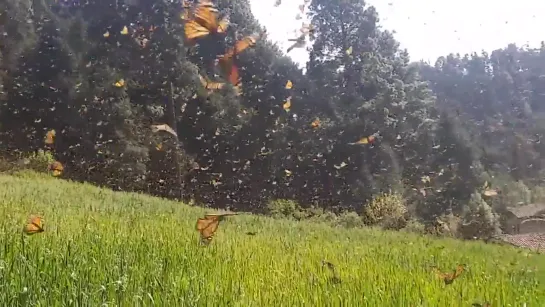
(428, 28)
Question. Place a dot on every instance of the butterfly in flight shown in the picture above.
(210, 85)
(34, 225)
(227, 60)
(208, 225)
(449, 278)
(56, 168)
(364, 140)
(50, 137)
(163, 127)
(201, 20)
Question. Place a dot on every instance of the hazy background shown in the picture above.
(429, 28)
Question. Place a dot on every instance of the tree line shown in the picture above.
(362, 120)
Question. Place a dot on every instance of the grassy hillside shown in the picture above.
(130, 250)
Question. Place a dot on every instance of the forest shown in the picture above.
(364, 123)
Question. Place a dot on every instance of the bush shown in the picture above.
(321, 216)
(480, 221)
(538, 194)
(446, 225)
(415, 226)
(386, 210)
(516, 193)
(38, 161)
(6, 165)
(349, 220)
(284, 208)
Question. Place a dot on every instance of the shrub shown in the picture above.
(349, 220)
(480, 221)
(321, 216)
(284, 208)
(38, 161)
(538, 194)
(386, 210)
(415, 226)
(516, 193)
(448, 225)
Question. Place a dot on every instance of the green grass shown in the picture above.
(121, 249)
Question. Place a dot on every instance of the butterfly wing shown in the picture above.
(193, 30)
(234, 75)
(211, 85)
(227, 60)
(215, 85)
(230, 70)
(223, 25)
(50, 137)
(206, 14)
(458, 272)
(440, 274)
(57, 168)
(241, 45)
(33, 226)
(163, 127)
(207, 227)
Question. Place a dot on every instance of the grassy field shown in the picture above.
(120, 249)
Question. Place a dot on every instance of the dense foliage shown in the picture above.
(436, 143)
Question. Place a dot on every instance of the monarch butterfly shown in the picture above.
(120, 83)
(209, 85)
(208, 225)
(448, 278)
(163, 127)
(241, 45)
(124, 31)
(226, 60)
(203, 21)
(289, 85)
(56, 167)
(50, 137)
(364, 140)
(287, 105)
(33, 226)
(298, 42)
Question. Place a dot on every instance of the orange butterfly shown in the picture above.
(202, 21)
(50, 137)
(449, 278)
(208, 225)
(56, 167)
(364, 140)
(316, 123)
(227, 60)
(211, 86)
(34, 225)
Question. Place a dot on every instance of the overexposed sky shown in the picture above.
(428, 28)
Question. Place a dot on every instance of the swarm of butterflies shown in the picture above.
(201, 20)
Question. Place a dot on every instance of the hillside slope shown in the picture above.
(129, 249)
